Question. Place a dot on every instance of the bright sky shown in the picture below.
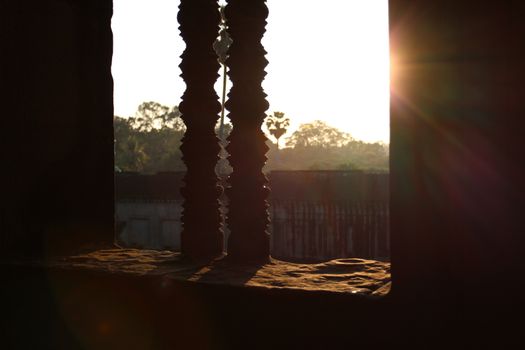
(328, 60)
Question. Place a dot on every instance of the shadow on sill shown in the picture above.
(349, 275)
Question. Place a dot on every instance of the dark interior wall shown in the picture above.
(57, 132)
(457, 161)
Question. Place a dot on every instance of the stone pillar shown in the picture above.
(248, 209)
(202, 236)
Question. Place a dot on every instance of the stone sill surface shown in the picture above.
(349, 275)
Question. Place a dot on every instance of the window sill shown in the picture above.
(352, 276)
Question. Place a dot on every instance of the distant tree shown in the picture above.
(150, 141)
(318, 134)
(130, 154)
(318, 146)
(277, 124)
(153, 115)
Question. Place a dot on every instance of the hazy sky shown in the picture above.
(327, 62)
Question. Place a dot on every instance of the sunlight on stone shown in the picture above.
(355, 276)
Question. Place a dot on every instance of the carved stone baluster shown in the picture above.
(202, 236)
(248, 209)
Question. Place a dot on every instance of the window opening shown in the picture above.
(327, 126)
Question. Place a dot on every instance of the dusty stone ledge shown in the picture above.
(352, 275)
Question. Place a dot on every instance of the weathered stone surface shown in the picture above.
(352, 275)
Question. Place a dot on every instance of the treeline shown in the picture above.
(318, 146)
(150, 142)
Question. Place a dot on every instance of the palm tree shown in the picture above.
(277, 124)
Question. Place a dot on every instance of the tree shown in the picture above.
(318, 134)
(277, 124)
(130, 154)
(150, 141)
(153, 115)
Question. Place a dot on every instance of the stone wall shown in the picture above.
(314, 231)
(315, 215)
(149, 224)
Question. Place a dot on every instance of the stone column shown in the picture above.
(202, 236)
(248, 209)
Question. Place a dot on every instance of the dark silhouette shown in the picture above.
(277, 124)
(202, 235)
(248, 240)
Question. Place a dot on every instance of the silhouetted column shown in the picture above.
(202, 236)
(248, 209)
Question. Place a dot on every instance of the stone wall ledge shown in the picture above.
(349, 275)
